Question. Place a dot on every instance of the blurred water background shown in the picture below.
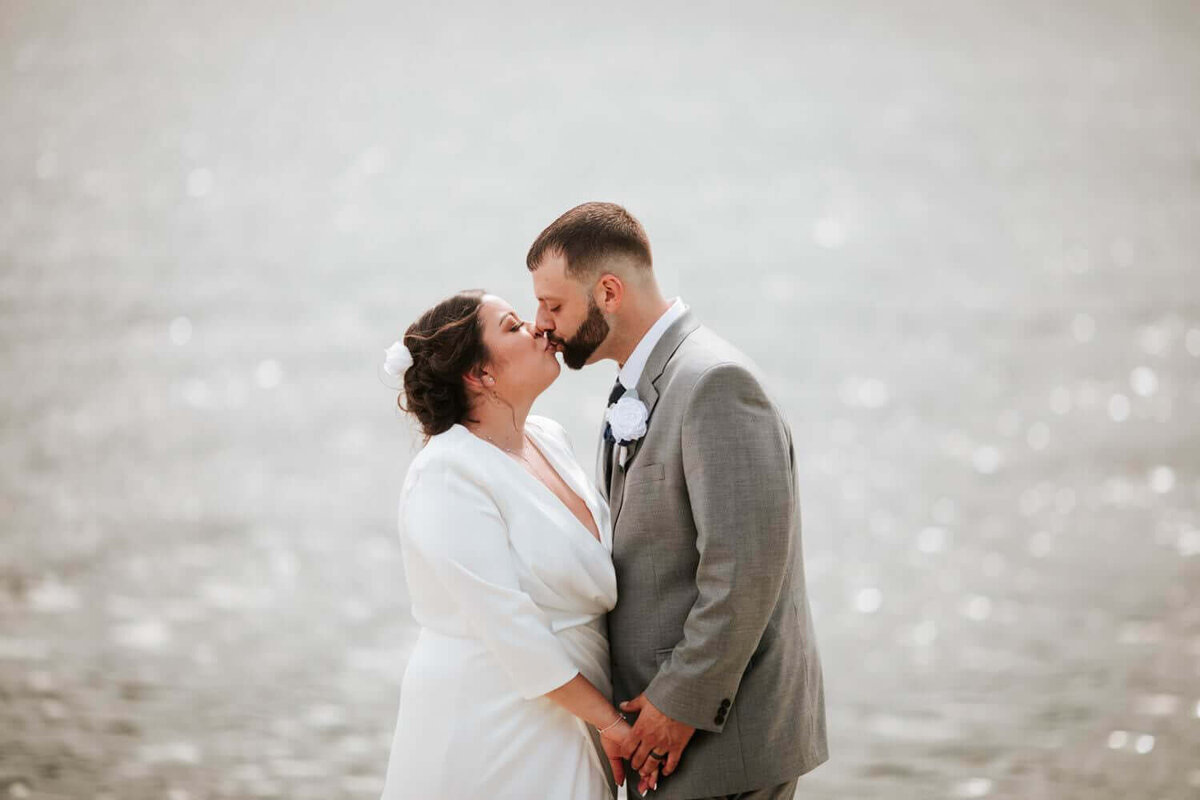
(960, 237)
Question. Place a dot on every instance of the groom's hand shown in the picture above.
(657, 732)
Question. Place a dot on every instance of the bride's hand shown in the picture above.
(620, 743)
(645, 783)
(619, 739)
(614, 749)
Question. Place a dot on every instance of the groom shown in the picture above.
(711, 639)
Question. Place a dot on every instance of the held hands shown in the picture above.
(619, 744)
(655, 731)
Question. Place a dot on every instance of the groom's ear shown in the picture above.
(611, 290)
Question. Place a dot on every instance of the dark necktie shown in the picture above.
(609, 440)
(617, 391)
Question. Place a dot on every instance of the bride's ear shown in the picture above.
(477, 379)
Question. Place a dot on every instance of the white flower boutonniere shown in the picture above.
(628, 418)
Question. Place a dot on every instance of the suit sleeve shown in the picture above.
(737, 466)
(457, 529)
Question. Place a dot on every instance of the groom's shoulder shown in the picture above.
(705, 350)
(709, 363)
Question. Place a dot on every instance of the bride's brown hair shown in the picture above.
(445, 342)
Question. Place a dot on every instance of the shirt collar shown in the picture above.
(631, 373)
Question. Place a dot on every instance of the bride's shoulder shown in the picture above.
(446, 453)
(543, 423)
(447, 482)
(550, 427)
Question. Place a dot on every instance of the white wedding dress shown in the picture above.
(510, 590)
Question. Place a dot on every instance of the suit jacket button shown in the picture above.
(725, 703)
(719, 718)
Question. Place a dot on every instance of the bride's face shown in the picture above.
(522, 360)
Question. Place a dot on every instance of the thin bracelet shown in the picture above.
(611, 725)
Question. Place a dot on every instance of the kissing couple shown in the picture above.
(648, 626)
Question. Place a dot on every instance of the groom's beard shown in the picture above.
(591, 334)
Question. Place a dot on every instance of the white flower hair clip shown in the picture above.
(396, 359)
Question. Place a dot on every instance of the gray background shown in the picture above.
(960, 238)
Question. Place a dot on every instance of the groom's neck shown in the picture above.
(641, 318)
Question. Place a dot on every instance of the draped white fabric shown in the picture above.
(510, 590)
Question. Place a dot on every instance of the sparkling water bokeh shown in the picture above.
(960, 240)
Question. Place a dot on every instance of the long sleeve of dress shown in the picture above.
(457, 529)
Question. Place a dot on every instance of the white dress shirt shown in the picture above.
(631, 372)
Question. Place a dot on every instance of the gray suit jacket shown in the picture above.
(712, 617)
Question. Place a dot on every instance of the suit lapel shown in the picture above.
(647, 390)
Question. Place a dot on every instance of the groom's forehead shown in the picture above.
(547, 291)
(550, 276)
(551, 288)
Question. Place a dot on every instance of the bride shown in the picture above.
(508, 557)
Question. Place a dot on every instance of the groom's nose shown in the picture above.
(544, 321)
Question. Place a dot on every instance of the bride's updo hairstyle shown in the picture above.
(445, 342)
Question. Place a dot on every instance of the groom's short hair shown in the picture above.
(590, 233)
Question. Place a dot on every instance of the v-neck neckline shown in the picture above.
(558, 471)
